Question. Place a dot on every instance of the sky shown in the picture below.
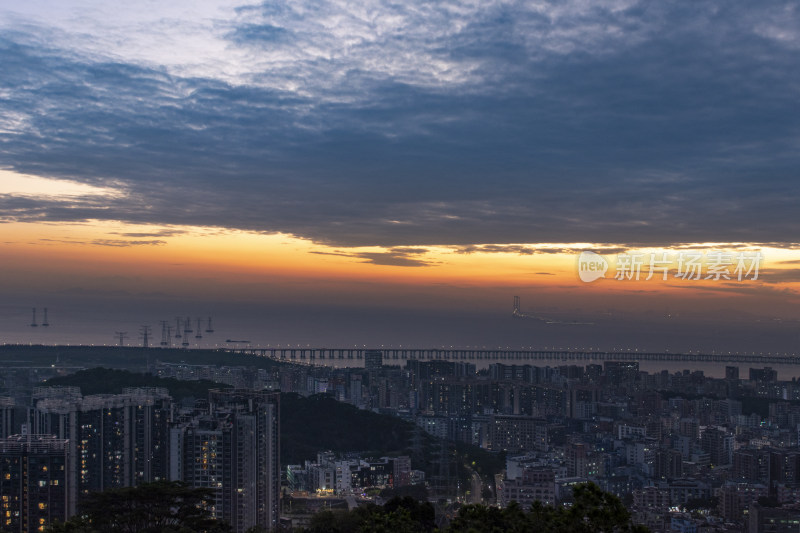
(392, 173)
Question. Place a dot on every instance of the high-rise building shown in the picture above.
(582, 402)
(356, 391)
(373, 360)
(119, 440)
(34, 485)
(669, 464)
(575, 456)
(513, 433)
(7, 416)
(772, 520)
(233, 448)
(752, 465)
(766, 374)
(531, 485)
(719, 445)
(619, 372)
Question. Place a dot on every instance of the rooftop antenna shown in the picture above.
(188, 322)
(178, 327)
(209, 329)
(164, 334)
(121, 335)
(199, 328)
(34, 324)
(144, 331)
(45, 323)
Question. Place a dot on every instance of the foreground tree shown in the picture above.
(167, 506)
(592, 511)
(398, 515)
(482, 519)
(596, 511)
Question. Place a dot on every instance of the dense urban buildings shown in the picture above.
(229, 443)
(684, 451)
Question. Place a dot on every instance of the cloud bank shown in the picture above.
(397, 124)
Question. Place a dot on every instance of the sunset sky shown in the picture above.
(339, 173)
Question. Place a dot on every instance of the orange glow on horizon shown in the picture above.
(233, 263)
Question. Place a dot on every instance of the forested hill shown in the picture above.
(319, 422)
(308, 425)
(112, 381)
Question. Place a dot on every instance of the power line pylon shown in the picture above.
(121, 335)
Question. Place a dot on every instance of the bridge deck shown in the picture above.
(312, 354)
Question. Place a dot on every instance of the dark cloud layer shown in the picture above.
(651, 123)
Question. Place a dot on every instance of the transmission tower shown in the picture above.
(209, 329)
(416, 446)
(33, 323)
(442, 481)
(186, 331)
(121, 336)
(164, 333)
(199, 328)
(178, 327)
(144, 332)
(45, 323)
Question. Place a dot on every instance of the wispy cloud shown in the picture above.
(115, 243)
(398, 256)
(122, 243)
(527, 249)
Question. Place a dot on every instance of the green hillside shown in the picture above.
(309, 425)
(112, 381)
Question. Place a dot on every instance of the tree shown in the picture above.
(596, 511)
(165, 506)
(478, 518)
(422, 514)
(592, 511)
(398, 515)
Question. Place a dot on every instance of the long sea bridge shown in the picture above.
(435, 354)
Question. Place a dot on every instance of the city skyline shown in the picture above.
(331, 174)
